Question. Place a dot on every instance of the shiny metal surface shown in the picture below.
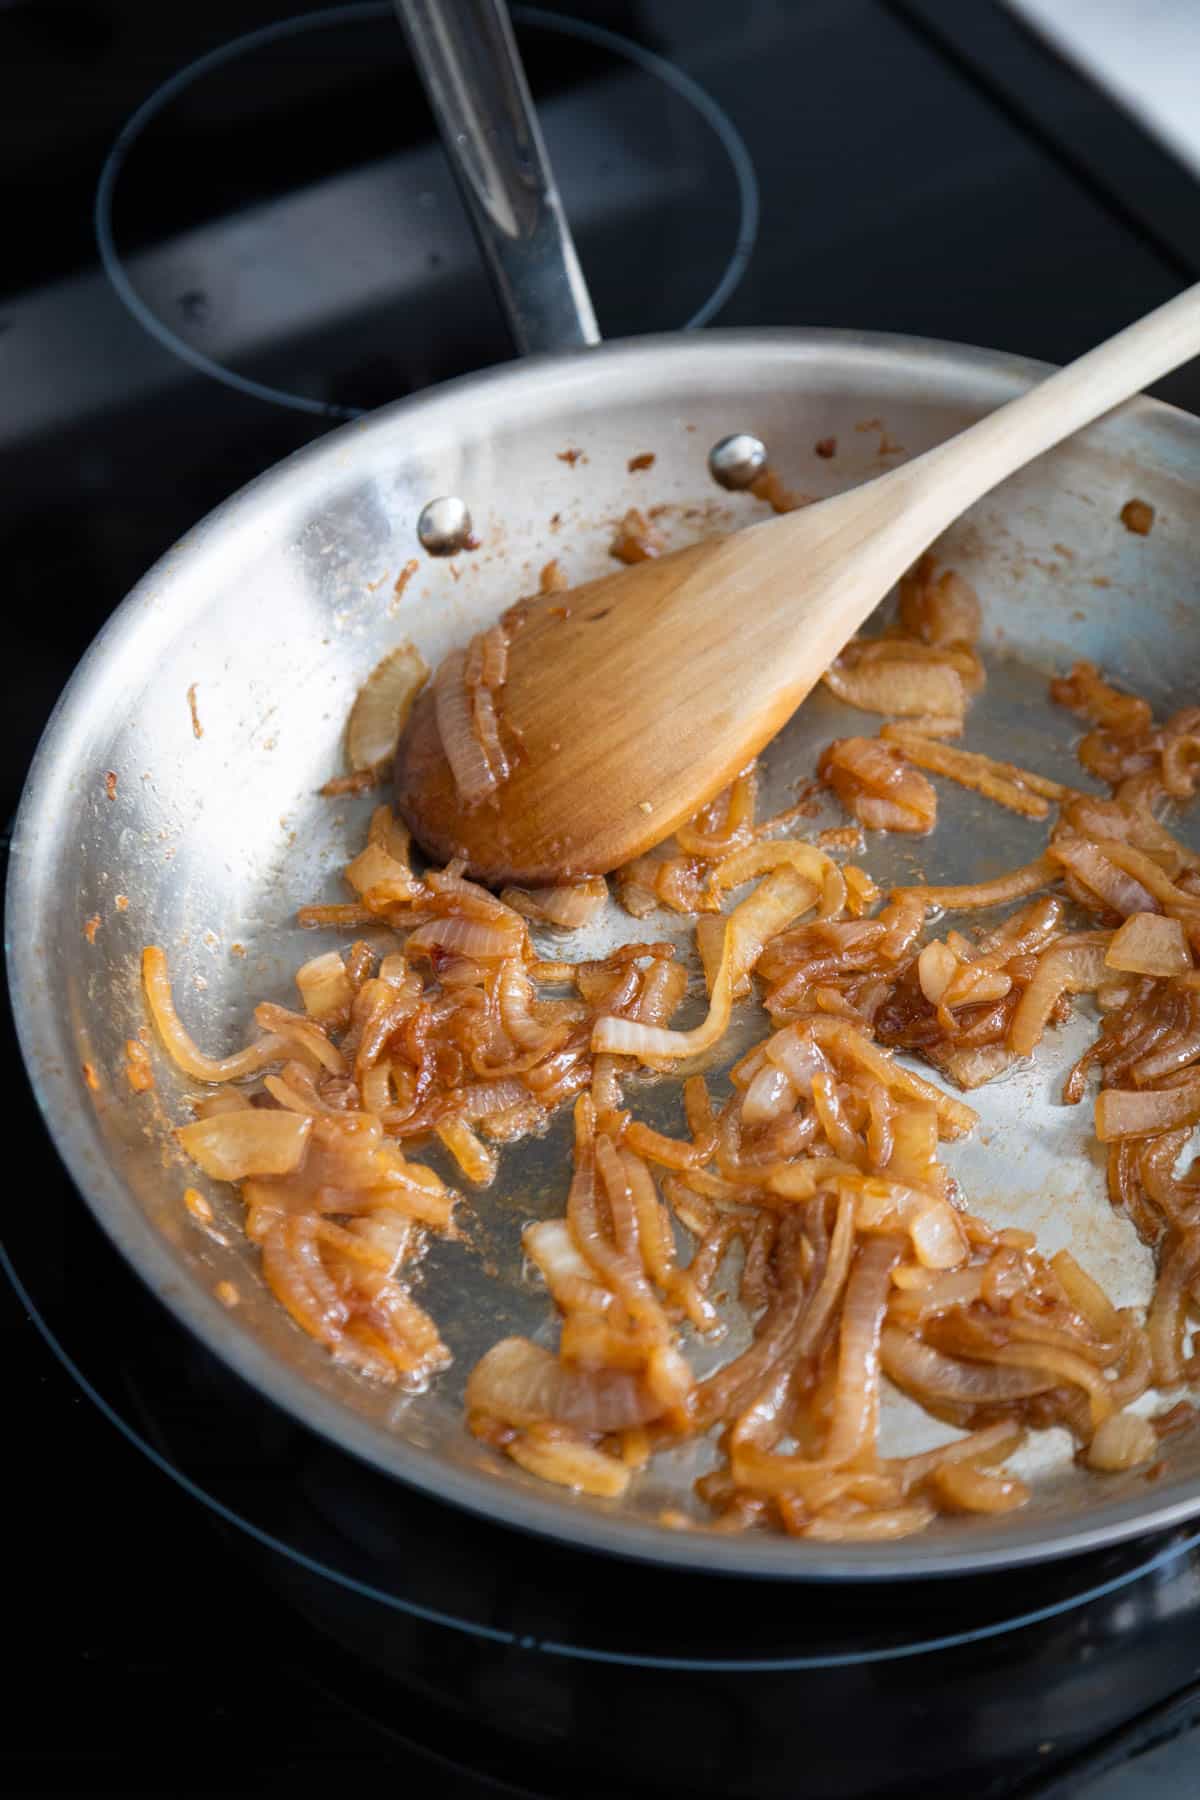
(210, 833)
(444, 526)
(468, 61)
(736, 461)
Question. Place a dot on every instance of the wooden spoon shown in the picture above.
(638, 697)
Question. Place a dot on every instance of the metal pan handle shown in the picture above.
(468, 61)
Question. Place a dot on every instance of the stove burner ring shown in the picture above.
(360, 11)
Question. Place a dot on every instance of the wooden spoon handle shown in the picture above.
(948, 479)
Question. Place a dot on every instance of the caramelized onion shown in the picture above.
(760, 859)
(522, 1384)
(181, 1048)
(937, 966)
(569, 906)
(878, 785)
(1063, 1365)
(380, 878)
(941, 609)
(1166, 1317)
(1015, 886)
(567, 1274)
(1018, 789)
(961, 1488)
(935, 1378)
(725, 824)
(870, 1526)
(991, 1444)
(954, 1118)
(937, 1236)
(744, 938)
(1075, 965)
(1085, 693)
(1101, 875)
(899, 684)
(301, 1035)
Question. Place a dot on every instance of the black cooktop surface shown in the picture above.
(232, 229)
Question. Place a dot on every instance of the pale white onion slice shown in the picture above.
(840, 1037)
(382, 705)
(549, 1244)
(566, 1271)
(1150, 944)
(769, 1095)
(937, 1237)
(1122, 1442)
(374, 868)
(233, 1145)
(464, 937)
(474, 776)
(521, 1384)
(802, 1058)
(932, 1223)
(324, 986)
(757, 859)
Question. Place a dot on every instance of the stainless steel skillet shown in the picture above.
(256, 631)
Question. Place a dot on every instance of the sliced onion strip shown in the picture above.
(251, 1141)
(1150, 944)
(382, 705)
(182, 1048)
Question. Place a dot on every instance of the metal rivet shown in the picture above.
(737, 461)
(444, 526)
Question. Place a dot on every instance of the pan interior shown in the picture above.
(174, 802)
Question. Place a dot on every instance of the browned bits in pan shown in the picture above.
(1137, 516)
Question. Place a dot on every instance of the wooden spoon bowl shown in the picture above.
(636, 698)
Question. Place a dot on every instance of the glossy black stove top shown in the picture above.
(205, 1598)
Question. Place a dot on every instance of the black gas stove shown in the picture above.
(232, 230)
